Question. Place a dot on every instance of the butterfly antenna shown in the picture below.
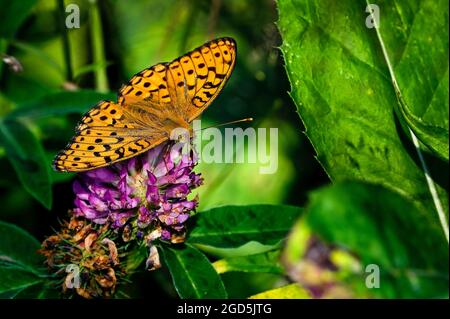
(248, 119)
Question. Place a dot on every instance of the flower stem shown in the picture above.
(65, 39)
(98, 49)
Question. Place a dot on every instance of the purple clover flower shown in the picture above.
(149, 192)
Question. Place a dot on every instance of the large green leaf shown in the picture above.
(19, 262)
(61, 103)
(234, 226)
(384, 229)
(27, 156)
(192, 273)
(344, 94)
(415, 36)
(12, 14)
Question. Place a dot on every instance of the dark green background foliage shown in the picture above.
(351, 172)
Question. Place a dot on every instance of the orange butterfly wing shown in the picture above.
(104, 136)
(188, 84)
(154, 101)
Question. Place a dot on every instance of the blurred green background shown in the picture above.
(65, 71)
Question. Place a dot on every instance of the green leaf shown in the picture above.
(192, 273)
(344, 94)
(13, 281)
(234, 226)
(297, 243)
(266, 262)
(292, 291)
(19, 261)
(12, 15)
(19, 248)
(40, 290)
(249, 248)
(27, 156)
(434, 137)
(415, 36)
(384, 229)
(61, 103)
(38, 53)
(94, 67)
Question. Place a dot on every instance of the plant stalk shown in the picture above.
(98, 49)
(65, 39)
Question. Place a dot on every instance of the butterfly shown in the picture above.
(153, 103)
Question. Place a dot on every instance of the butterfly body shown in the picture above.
(153, 103)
